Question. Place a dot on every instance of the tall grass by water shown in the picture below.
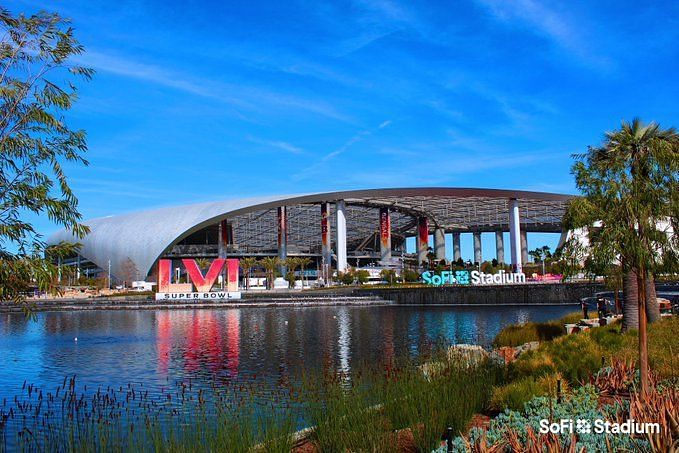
(400, 406)
(518, 334)
(374, 409)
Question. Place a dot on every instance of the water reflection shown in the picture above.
(263, 345)
(344, 341)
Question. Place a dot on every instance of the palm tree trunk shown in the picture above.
(643, 339)
(652, 307)
(630, 308)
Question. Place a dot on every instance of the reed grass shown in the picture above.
(518, 334)
(377, 411)
(369, 410)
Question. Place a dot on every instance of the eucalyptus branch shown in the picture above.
(34, 142)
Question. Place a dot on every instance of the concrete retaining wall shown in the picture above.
(528, 293)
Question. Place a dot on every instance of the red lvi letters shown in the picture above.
(202, 283)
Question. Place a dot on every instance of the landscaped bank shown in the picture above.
(602, 410)
(399, 405)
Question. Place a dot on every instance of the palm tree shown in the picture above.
(203, 263)
(630, 308)
(631, 185)
(304, 261)
(652, 305)
(641, 148)
(247, 264)
(270, 264)
(291, 264)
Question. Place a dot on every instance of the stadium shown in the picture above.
(334, 229)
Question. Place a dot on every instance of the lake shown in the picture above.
(116, 347)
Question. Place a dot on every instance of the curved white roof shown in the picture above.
(144, 236)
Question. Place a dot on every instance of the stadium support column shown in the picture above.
(222, 241)
(326, 252)
(422, 239)
(515, 234)
(457, 250)
(478, 256)
(440, 244)
(499, 247)
(385, 236)
(340, 208)
(524, 247)
(282, 238)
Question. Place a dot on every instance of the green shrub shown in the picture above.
(389, 276)
(579, 355)
(531, 364)
(410, 276)
(574, 318)
(346, 278)
(515, 394)
(663, 349)
(516, 335)
(580, 404)
(362, 276)
(574, 356)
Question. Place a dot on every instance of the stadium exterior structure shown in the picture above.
(331, 228)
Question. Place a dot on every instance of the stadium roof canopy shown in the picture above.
(145, 236)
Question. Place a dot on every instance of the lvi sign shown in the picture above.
(202, 283)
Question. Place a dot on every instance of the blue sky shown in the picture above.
(197, 101)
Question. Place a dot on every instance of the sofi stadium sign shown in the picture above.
(472, 278)
(200, 286)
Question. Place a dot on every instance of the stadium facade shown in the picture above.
(334, 229)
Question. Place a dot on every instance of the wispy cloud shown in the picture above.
(379, 19)
(388, 9)
(240, 96)
(117, 188)
(519, 109)
(358, 137)
(562, 30)
(450, 167)
(285, 146)
(564, 187)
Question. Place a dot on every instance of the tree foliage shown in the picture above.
(129, 271)
(630, 185)
(541, 253)
(36, 89)
(270, 263)
(630, 210)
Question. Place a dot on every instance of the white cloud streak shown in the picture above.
(240, 96)
(553, 24)
(317, 166)
(285, 146)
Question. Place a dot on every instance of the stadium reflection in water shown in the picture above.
(263, 345)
